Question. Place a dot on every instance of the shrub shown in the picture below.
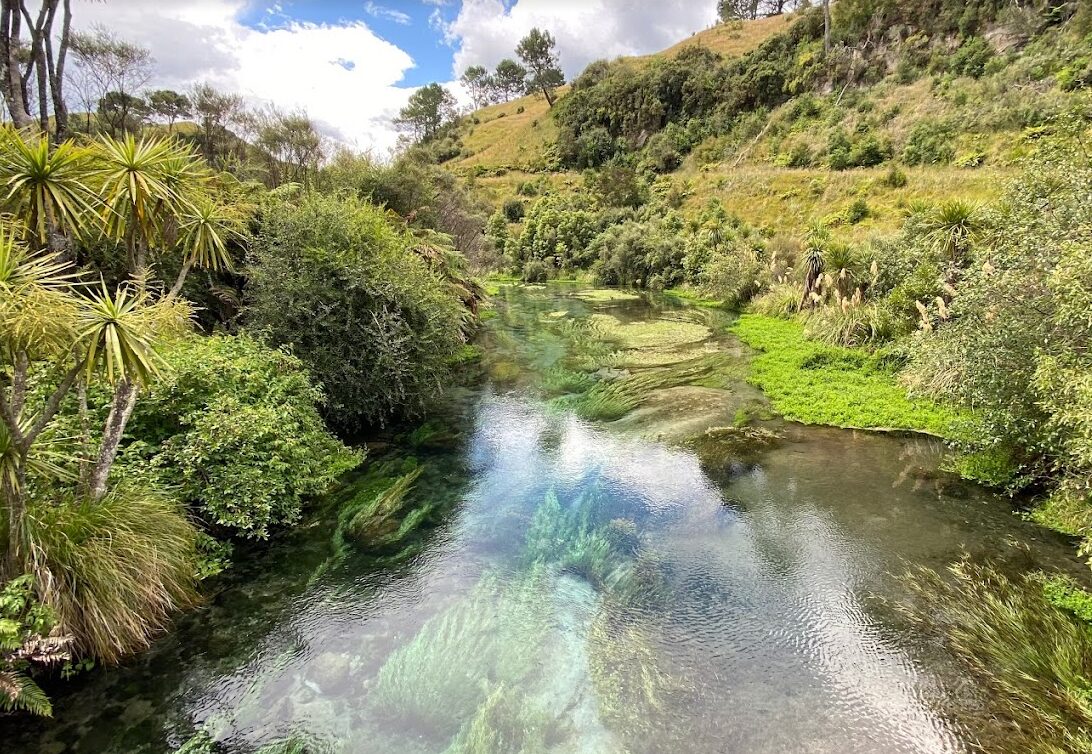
(559, 228)
(799, 155)
(331, 280)
(857, 211)
(513, 210)
(929, 143)
(1015, 346)
(635, 253)
(234, 426)
(26, 631)
(971, 57)
(895, 178)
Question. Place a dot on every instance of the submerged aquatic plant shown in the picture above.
(568, 538)
(611, 400)
(719, 447)
(630, 686)
(505, 723)
(1035, 656)
(374, 519)
(443, 675)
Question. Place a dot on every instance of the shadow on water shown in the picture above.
(624, 552)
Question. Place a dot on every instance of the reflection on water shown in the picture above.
(596, 589)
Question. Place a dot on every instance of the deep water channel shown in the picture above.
(627, 552)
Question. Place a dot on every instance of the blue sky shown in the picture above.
(412, 26)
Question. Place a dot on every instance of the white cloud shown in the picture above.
(485, 31)
(391, 14)
(343, 75)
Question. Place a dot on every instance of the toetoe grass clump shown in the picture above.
(1034, 656)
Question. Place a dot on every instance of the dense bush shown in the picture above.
(930, 143)
(556, 234)
(1015, 346)
(513, 210)
(638, 254)
(234, 426)
(331, 280)
(424, 195)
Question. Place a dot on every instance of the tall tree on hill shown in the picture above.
(479, 83)
(509, 79)
(169, 105)
(106, 64)
(215, 111)
(536, 50)
(737, 10)
(429, 111)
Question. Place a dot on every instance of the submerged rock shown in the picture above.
(330, 671)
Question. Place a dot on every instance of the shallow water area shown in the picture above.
(628, 553)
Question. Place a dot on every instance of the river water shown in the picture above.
(637, 584)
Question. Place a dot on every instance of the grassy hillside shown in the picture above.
(517, 135)
(731, 39)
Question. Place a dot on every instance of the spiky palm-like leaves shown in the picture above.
(144, 185)
(814, 261)
(952, 228)
(120, 331)
(48, 187)
(36, 305)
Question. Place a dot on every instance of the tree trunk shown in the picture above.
(14, 498)
(121, 408)
(11, 80)
(56, 69)
(826, 27)
(182, 275)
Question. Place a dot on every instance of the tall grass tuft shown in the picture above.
(114, 571)
(1034, 656)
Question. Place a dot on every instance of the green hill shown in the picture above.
(956, 105)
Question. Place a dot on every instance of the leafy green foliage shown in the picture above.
(638, 254)
(234, 426)
(331, 280)
(25, 625)
(1014, 347)
(556, 234)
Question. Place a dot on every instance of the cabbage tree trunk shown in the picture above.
(121, 408)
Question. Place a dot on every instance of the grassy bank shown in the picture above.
(815, 383)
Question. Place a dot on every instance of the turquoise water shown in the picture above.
(587, 586)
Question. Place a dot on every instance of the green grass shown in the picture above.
(814, 383)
